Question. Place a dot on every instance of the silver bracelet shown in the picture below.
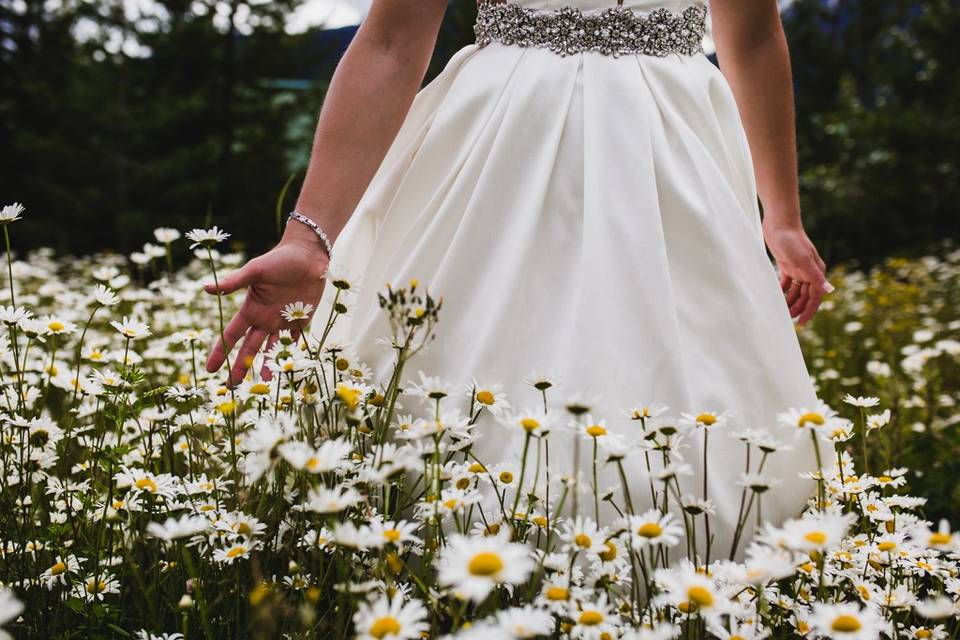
(299, 217)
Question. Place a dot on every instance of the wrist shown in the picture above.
(298, 234)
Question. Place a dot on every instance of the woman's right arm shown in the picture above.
(368, 99)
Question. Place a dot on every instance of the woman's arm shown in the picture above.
(753, 56)
(368, 99)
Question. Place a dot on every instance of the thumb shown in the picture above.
(243, 277)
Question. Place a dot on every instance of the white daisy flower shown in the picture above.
(206, 238)
(390, 618)
(845, 621)
(11, 213)
(472, 567)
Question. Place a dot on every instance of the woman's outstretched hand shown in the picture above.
(802, 271)
(293, 271)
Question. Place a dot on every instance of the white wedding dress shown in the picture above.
(593, 215)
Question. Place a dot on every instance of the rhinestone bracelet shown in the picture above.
(299, 217)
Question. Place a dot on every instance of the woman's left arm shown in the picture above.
(753, 56)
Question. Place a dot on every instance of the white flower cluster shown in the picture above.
(141, 493)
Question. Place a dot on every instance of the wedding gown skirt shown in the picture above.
(595, 216)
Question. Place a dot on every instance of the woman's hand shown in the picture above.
(293, 271)
(802, 271)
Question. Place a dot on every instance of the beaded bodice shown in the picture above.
(648, 27)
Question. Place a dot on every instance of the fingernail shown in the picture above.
(829, 288)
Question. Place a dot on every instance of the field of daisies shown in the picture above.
(142, 498)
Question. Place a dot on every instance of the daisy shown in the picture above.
(689, 591)
(11, 213)
(206, 238)
(489, 397)
(234, 552)
(395, 533)
(942, 539)
(329, 457)
(815, 532)
(131, 329)
(877, 421)
(525, 622)
(864, 402)
(819, 418)
(14, 315)
(95, 588)
(389, 618)
(542, 380)
(706, 420)
(757, 482)
(936, 632)
(429, 388)
(533, 422)
(174, 528)
(297, 312)
(105, 296)
(166, 235)
(472, 567)
(593, 620)
(653, 527)
(845, 621)
(645, 412)
(60, 571)
(323, 500)
(583, 536)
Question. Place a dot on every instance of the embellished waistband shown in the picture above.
(614, 32)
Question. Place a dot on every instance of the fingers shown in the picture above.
(785, 282)
(251, 345)
(800, 302)
(237, 326)
(792, 293)
(242, 277)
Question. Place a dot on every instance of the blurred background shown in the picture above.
(118, 116)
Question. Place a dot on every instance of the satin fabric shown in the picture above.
(597, 217)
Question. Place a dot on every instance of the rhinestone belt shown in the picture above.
(614, 32)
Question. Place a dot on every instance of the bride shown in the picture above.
(581, 186)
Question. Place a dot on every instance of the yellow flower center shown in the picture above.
(485, 397)
(529, 425)
(350, 396)
(146, 484)
(506, 477)
(382, 627)
(590, 618)
(485, 563)
(58, 568)
(238, 550)
(887, 546)
(226, 408)
(540, 521)
(846, 623)
(687, 607)
(557, 593)
(476, 467)
(923, 632)
(707, 419)
(391, 534)
(610, 554)
(596, 430)
(260, 389)
(650, 530)
(451, 503)
(583, 540)
(244, 529)
(56, 325)
(939, 539)
(816, 537)
(814, 418)
(95, 586)
(885, 479)
(700, 596)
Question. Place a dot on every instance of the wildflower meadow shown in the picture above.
(143, 498)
